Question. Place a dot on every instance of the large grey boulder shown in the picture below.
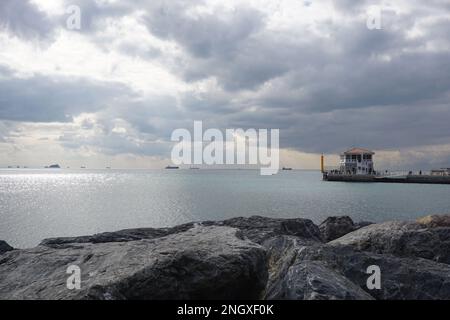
(5, 247)
(401, 278)
(403, 239)
(304, 279)
(199, 263)
(314, 280)
(322, 271)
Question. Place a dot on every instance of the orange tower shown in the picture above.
(322, 166)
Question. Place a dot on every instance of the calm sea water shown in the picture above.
(37, 204)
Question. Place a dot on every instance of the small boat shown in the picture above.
(286, 169)
(172, 168)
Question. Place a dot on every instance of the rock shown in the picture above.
(362, 224)
(259, 229)
(240, 258)
(255, 228)
(5, 247)
(403, 239)
(202, 262)
(293, 279)
(335, 227)
(401, 278)
(434, 221)
(322, 271)
(313, 280)
(118, 236)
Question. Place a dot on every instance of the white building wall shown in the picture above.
(362, 167)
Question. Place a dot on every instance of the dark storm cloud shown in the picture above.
(24, 19)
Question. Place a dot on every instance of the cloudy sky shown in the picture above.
(111, 93)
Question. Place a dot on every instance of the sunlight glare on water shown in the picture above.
(37, 204)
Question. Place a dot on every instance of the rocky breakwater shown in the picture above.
(240, 258)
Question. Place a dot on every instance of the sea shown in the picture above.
(45, 203)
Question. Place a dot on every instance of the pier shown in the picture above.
(356, 165)
(424, 179)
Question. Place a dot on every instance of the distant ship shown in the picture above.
(286, 169)
(54, 166)
(194, 168)
(172, 168)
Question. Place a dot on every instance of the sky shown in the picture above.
(111, 92)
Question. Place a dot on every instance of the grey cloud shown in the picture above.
(217, 43)
(116, 143)
(208, 35)
(351, 7)
(44, 99)
(24, 19)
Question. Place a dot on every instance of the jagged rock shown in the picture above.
(256, 228)
(5, 247)
(259, 229)
(335, 227)
(293, 279)
(118, 236)
(401, 278)
(322, 271)
(403, 239)
(313, 280)
(200, 263)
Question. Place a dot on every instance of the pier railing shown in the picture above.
(394, 173)
(382, 173)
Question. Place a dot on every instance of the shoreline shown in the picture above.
(239, 258)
